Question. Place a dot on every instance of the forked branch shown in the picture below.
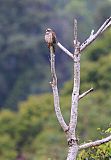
(93, 36)
(50, 38)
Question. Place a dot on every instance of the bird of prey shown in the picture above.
(50, 38)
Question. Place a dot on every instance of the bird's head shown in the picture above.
(48, 30)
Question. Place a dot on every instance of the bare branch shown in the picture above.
(107, 26)
(75, 32)
(55, 91)
(91, 38)
(85, 93)
(76, 83)
(95, 143)
(50, 38)
(72, 140)
(64, 49)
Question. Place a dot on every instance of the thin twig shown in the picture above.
(75, 33)
(92, 33)
(85, 93)
(95, 143)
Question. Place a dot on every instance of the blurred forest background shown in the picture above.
(28, 126)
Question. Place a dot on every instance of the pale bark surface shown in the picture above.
(55, 92)
(70, 130)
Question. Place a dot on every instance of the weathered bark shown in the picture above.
(55, 91)
(90, 39)
(70, 130)
(72, 139)
(72, 152)
(95, 143)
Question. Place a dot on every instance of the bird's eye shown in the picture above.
(48, 30)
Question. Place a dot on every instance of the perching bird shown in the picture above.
(50, 38)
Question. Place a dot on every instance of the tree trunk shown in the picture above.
(72, 152)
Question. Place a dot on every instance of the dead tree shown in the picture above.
(69, 129)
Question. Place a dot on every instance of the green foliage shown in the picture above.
(33, 131)
(95, 66)
(7, 137)
(21, 49)
(7, 147)
(23, 53)
(95, 72)
(42, 151)
(108, 130)
(96, 153)
(25, 130)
